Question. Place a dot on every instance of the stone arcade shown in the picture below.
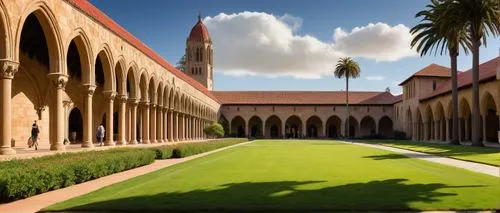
(70, 67)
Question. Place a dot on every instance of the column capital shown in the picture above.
(144, 103)
(9, 68)
(59, 80)
(122, 98)
(89, 89)
(109, 94)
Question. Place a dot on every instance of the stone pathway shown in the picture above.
(37, 202)
(475, 167)
(25, 152)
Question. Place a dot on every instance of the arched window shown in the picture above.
(197, 54)
(434, 85)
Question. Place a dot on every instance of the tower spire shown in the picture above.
(199, 15)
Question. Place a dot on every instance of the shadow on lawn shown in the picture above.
(400, 156)
(391, 194)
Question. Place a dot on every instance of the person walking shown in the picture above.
(34, 134)
(100, 134)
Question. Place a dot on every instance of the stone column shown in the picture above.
(133, 121)
(9, 69)
(152, 116)
(122, 115)
(426, 131)
(59, 81)
(182, 127)
(466, 129)
(484, 129)
(176, 126)
(186, 127)
(159, 124)
(447, 130)
(460, 139)
(413, 131)
(110, 96)
(87, 117)
(170, 127)
(145, 122)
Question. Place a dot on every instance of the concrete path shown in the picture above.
(475, 167)
(37, 202)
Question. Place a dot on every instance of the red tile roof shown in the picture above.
(114, 27)
(487, 71)
(432, 70)
(199, 32)
(303, 97)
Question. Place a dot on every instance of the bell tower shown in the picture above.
(199, 59)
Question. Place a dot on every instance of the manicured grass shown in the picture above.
(301, 176)
(486, 155)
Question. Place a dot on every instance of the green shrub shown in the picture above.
(215, 129)
(185, 150)
(164, 152)
(24, 178)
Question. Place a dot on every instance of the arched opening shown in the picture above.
(464, 127)
(75, 126)
(430, 124)
(440, 123)
(273, 127)
(353, 127)
(115, 126)
(333, 127)
(293, 127)
(409, 123)
(491, 119)
(32, 91)
(420, 126)
(3, 35)
(368, 128)
(314, 127)
(255, 125)
(238, 127)
(385, 128)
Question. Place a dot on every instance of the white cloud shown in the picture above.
(375, 78)
(255, 43)
(379, 42)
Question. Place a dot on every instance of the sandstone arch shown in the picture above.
(333, 126)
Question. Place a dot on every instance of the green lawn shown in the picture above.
(486, 155)
(303, 176)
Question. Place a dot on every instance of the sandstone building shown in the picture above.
(68, 66)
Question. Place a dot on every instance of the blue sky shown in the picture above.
(164, 26)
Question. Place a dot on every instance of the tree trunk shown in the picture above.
(476, 116)
(347, 104)
(454, 98)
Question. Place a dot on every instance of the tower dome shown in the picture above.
(199, 32)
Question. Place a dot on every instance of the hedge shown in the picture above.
(24, 178)
(188, 149)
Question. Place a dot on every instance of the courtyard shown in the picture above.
(298, 175)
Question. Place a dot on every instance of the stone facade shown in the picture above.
(69, 67)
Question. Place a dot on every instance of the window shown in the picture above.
(238, 109)
(334, 109)
(368, 109)
(434, 85)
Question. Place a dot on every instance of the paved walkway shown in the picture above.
(25, 152)
(476, 167)
(37, 202)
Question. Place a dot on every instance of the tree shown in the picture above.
(225, 124)
(181, 64)
(348, 68)
(481, 18)
(388, 89)
(441, 30)
(214, 130)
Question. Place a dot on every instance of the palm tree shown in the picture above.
(440, 30)
(348, 68)
(481, 18)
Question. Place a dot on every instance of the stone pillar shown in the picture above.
(182, 127)
(133, 122)
(59, 81)
(176, 126)
(447, 130)
(186, 127)
(414, 131)
(159, 124)
(426, 131)
(122, 115)
(145, 122)
(152, 116)
(170, 127)
(110, 96)
(9, 69)
(484, 129)
(87, 117)
(460, 139)
(466, 129)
